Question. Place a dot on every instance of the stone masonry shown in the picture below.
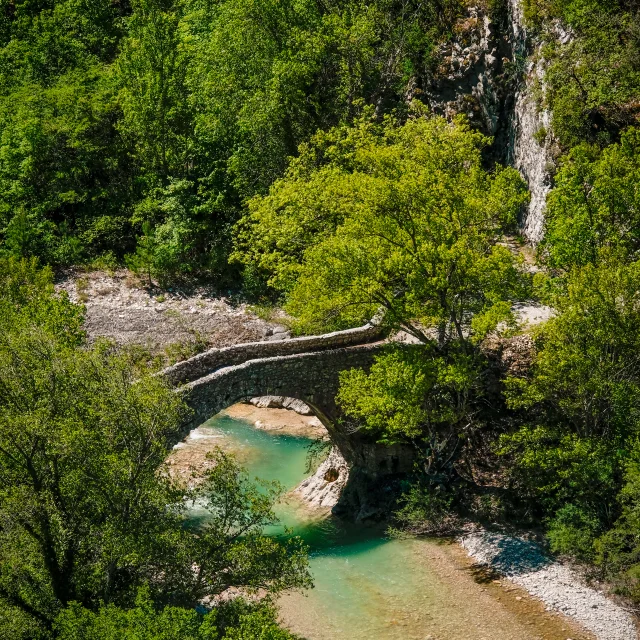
(213, 359)
(306, 369)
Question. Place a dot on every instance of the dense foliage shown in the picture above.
(140, 127)
(396, 217)
(236, 620)
(88, 513)
(582, 399)
(593, 78)
(592, 213)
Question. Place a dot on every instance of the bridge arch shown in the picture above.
(310, 376)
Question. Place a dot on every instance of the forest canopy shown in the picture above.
(91, 522)
(148, 123)
(284, 149)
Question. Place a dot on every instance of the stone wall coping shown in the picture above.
(310, 376)
(205, 363)
(256, 362)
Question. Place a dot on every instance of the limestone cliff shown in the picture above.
(493, 72)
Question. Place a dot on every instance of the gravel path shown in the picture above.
(559, 587)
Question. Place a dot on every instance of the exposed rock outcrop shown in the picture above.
(530, 147)
(493, 73)
(324, 487)
(469, 79)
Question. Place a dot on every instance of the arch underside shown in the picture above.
(313, 378)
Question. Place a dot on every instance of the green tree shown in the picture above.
(231, 549)
(61, 170)
(593, 210)
(88, 511)
(617, 552)
(581, 407)
(176, 111)
(28, 299)
(151, 70)
(142, 622)
(144, 260)
(401, 217)
(64, 172)
(409, 391)
(269, 74)
(425, 396)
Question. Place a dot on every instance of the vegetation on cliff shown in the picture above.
(592, 81)
(406, 217)
(139, 127)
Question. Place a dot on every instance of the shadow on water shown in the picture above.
(483, 574)
(327, 534)
(282, 457)
(368, 585)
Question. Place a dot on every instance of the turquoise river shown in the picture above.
(368, 586)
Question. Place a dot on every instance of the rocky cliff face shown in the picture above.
(529, 146)
(494, 74)
(469, 79)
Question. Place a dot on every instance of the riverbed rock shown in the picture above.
(558, 586)
(324, 487)
(281, 402)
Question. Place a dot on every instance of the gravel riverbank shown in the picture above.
(559, 587)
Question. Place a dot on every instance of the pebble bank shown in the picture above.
(558, 586)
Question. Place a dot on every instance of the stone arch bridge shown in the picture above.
(305, 368)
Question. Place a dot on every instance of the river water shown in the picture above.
(368, 586)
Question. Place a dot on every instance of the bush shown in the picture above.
(573, 531)
(574, 457)
(426, 511)
(238, 620)
(593, 210)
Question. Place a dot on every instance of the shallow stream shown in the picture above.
(368, 586)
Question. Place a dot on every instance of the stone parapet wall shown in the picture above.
(205, 363)
(311, 377)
